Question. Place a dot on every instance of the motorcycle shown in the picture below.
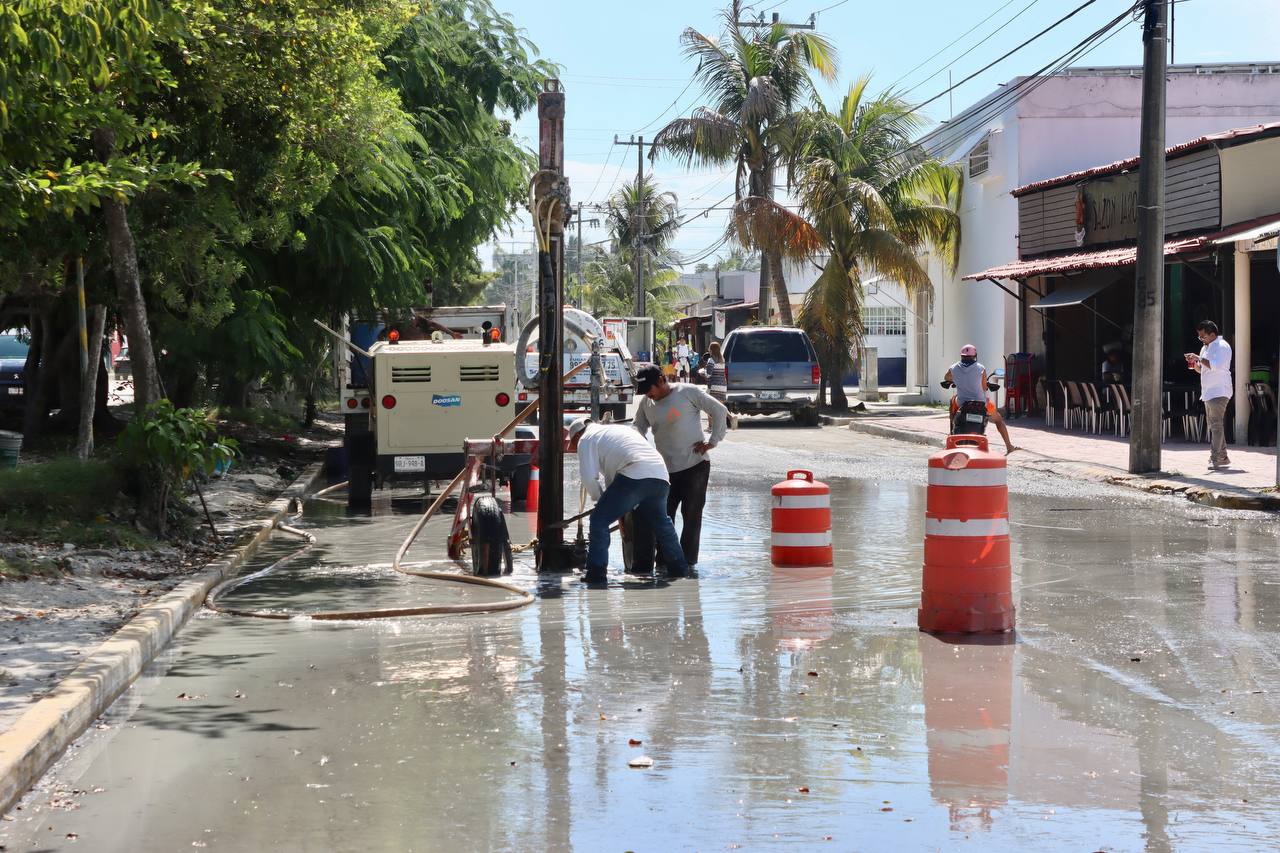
(970, 418)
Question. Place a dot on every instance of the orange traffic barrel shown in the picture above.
(967, 584)
(801, 521)
(531, 496)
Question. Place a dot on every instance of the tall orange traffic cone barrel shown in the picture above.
(531, 496)
(801, 521)
(967, 585)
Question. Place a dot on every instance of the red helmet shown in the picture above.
(968, 351)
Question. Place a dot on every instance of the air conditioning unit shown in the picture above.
(981, 160)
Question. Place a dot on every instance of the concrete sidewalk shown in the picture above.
(1248, 484)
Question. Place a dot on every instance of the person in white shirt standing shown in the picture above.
(622, 472)
(1214, 366)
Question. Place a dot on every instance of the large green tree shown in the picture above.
(755, 79)
(78, 142)
(875, 201)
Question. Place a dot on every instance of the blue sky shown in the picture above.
(623, 69)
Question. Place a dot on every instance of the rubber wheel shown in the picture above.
(520, 484)
(490, 541)
(361, 450)
(619, 411)
(806, 416)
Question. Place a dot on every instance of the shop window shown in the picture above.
(884, 320)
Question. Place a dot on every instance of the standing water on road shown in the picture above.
(1136, 710)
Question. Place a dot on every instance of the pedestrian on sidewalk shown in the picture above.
(622, 472)
(970, 378)
(1216, 388)
(674, 413)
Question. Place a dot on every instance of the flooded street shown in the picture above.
(1136, 708)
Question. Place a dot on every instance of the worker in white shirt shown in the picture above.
(1216, 388)
(622, 472)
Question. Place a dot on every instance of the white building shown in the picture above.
(1072, 121)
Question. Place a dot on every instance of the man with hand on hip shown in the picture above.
(674, 413)
(621, 473)
(1216, 387)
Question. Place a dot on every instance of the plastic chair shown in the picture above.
(1123, 407)
(1075, 408)
(1055, 398)
(1093, 408)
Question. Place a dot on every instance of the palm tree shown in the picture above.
(639, 209)
(877, 201)
(755, 82)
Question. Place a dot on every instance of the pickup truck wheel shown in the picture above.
(806, 416)
(619, 411)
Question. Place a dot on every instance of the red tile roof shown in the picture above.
(1240, 134)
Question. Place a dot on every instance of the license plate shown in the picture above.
(410, 464)
(17, 392)
(973, 419)
(770, 395)
(580, 396)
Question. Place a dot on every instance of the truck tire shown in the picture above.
(490, 541)
(619, 411)
(520, 484)
(361, 452)
(806, 416)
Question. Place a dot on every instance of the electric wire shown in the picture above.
(979, 44)
(1011, 52)
(953, 43)
(947, 137)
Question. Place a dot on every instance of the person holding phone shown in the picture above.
(1213, 363)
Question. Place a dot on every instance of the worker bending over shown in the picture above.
(674, 413)
(622, 472)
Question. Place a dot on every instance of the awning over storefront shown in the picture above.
(1125, 256)
(1071, 294)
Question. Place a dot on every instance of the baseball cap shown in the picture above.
(647, 377)
(968, 350)
(580, 425)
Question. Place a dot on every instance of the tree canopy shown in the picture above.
(267, 162)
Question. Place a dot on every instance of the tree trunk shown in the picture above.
(822, 386)
(133, 305)
(33, 416)
(839, 401)
(89, 384)
(762, 300)
(780, 294)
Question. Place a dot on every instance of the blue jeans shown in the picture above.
(649, 499)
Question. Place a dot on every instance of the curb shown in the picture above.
(1225, 498)
(39, 736)
(909, 435)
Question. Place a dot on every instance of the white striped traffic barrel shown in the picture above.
(967, 583)
(801, 521)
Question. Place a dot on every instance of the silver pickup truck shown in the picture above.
(768, 369)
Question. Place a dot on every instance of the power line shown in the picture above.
(1006, 55)
(829, 8)
(669, 106)
(953, 43)
(603, 166)
(1029, 83)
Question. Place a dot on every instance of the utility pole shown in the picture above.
(637, 230)
(1148, 313)
(551, 192)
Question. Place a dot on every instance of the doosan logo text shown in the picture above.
(446, 400)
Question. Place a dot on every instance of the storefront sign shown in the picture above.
(1107, 210)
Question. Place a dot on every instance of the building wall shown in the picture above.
(1072, 122)
(1250, 180)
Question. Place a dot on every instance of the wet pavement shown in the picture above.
(1136, 709)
